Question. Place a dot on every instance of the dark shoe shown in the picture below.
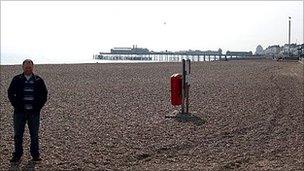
(15, 159)
(36, 159)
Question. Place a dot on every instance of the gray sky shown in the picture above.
(57, 31)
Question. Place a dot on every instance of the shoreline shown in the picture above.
(129, 61)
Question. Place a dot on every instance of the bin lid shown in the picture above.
(176, 75)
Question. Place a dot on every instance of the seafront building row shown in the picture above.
(275, 51)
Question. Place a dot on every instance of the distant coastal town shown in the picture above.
(276, 52)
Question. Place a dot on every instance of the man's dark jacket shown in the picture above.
(16, 89)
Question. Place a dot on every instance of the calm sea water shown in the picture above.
(19, 60)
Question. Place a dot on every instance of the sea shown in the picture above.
(37, 60)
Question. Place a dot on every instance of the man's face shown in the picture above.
(28, 68)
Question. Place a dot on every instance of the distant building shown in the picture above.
(272, 51)
(301, 52)
(238, 53)
(259, 50)
(220, 51)
(128, 50)
(292, 51)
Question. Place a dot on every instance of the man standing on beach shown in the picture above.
(27, 94)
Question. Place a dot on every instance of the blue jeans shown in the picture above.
(33, 121)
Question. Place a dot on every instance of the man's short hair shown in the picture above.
(28, 61)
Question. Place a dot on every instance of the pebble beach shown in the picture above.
(102, 116)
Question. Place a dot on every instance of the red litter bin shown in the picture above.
(176, 89)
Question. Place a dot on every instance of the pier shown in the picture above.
(143, 54)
